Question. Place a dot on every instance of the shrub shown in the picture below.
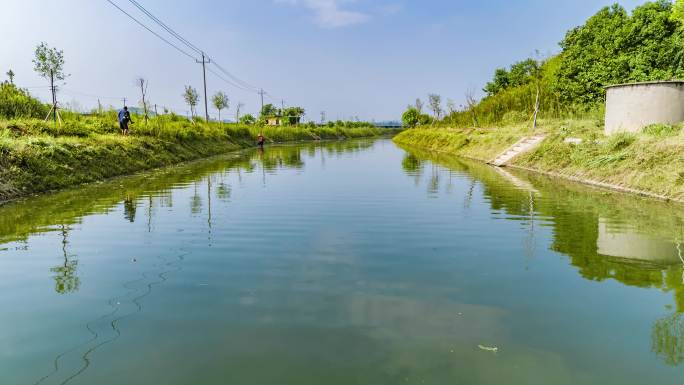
(17, 103)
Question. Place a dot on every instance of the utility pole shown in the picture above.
(261, 92)
(155, 110)
(204, 63)
(124, 100)
(99, 107)
(282, 104)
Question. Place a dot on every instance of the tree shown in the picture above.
(269, 110)
(615, 47)
(238, 108)
(142, 84)
(471, 100)
(435, 105)
(425, 119)
(419, 106)
(293, 115)
(10, 75)
(678, 10)
(49, 64)
(248, 119)
(451, 106)
(410, 117)
(191, 98)
(220, 101)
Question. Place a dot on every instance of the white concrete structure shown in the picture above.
(617, 241)
(631, 107)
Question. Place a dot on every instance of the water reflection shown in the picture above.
(19, 220)
(66, 280)
(358, 275)
(606, 235)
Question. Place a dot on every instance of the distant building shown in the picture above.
(631, 107)
(274, 121)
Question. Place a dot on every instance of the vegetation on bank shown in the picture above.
(38, 156)
(563, 97)
(613, 46)
(650, 161)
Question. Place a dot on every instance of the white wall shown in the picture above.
(630, 108)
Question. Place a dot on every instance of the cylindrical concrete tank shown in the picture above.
(631, 107)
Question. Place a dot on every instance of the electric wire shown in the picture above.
(166, 27)
(239, 83)
(151, 31)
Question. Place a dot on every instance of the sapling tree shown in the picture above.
(49, 64)
(220, 102)
(471, 100)
(142, 84)
(191, 98)
(10, 75)
(436, 105)
(419, 106)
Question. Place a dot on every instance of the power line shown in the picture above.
(235, 78)
(166, 27)
(229, 77)
(241, 84)
(151, 31)
(228, 81)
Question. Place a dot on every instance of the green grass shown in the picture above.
(651, 161)
(36, 156)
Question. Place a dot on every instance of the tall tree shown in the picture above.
(191, 98)
(10, 75)
(220, 101)
(49, 64)
(142, 84)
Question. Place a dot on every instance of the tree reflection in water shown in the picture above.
(66, 280)
(668, 339)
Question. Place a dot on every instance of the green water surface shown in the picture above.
(340, 263)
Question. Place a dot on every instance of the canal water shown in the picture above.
(340, 263)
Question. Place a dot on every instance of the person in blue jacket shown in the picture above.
(124, 120)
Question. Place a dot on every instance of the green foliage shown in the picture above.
(435, 102)
(292, 115)
(411, 117)
(17, 103)
(49, 62)
(10, 76)
(425, 119)
(662, 130)
(247, 119)
(520, 73)
(611, 47)
(191, 98)
(269, 111)
(614, 47)
(220, 101)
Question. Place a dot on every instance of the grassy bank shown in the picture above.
(650, 161)
(37, 156)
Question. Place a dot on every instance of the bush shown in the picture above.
(17, 103)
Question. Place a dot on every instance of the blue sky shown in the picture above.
(365, 58)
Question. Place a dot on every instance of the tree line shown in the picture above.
(613, 46)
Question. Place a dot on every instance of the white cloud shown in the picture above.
(328, 13)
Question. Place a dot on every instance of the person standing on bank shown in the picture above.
(124, 120)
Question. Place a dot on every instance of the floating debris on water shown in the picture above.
(492, 349)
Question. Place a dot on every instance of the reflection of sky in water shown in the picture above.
(344, 263)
